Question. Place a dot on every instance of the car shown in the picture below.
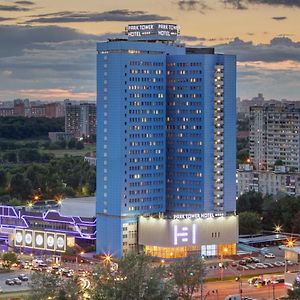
(269, 265)
(278, 280)
(259, 266)
(234, 264)
(253, 279)
(255, 259)
(242, 268)
(242, 262)
(289, 263)
(277, 264)
(9, 282)
(251, 267)
(269, 255)
(17, 281)
(248, 260)
(23, 277)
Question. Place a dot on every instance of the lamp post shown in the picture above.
(221, 265)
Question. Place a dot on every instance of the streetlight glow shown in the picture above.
(278, 228)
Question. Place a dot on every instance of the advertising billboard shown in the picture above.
(41, 240)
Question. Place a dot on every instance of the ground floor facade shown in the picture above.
(205, 235)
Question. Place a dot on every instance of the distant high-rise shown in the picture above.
(80, 119)
(274, 136)
(165, 140)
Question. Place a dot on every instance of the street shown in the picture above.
(231, 287)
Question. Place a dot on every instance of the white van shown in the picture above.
(37, 262)
(233, 297)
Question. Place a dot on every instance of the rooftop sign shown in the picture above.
(154, 31)
(199, 216)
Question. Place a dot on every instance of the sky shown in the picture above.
(47, 47)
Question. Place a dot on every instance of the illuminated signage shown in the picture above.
(198, 216)
(155, 31)
(184, 235)
(40, 240)
(50, 241)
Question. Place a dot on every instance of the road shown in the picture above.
(220, 289)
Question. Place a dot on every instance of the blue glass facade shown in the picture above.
(159, 106)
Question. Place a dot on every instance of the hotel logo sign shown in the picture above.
(198, 216)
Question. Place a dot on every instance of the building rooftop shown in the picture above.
(82, 207)
(262, 238)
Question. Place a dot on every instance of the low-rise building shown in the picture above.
(58, 136)
(267, 182)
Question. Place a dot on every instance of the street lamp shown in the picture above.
(107, 258)
(277, 228)
(290, 243)
(221, 265)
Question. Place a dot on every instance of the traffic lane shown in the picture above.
(212, 273)
(11, 275)
(214, 290)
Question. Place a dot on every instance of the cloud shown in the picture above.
(52, 62)
(5, 19)
(238, 4)
(192, 5)
(13, 8)
(191, 38)
(25, 2)
(48, 62)
(120, 15)
(279, 18)
(243, 4)
(279, 49)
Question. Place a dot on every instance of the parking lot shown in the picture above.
(11, 275)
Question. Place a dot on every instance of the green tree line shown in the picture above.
(257, 212)
(67, 176)
(26, 128)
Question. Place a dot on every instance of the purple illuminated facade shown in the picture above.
(82, 228)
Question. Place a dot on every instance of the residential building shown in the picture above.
(58, 136)
(274, 136)
(80, 119)
(267, 182)
(166, 148)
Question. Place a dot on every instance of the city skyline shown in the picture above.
(268, 50)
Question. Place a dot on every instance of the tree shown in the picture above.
(188, 275)
(134, 279)
(79, 145)
(72, 144)
(20, 187)
(295, 293)
(10, 157)
(249, 222)
(9, 258)
(251, 201)
(3, 179)
(44, 286)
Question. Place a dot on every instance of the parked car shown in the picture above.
(255, 259)
(9, 282)
(23, 277)
(260, 266)
(269, 265)
(251, 267)
(269, 255)
(17, 281)
(242, 262)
